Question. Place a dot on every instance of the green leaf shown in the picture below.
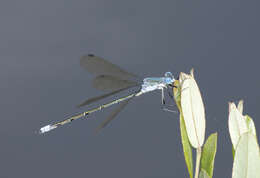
(187, 150)
(250, 125)
(203, 174)
(208, 154)
(177, 94)
(233, 152)
(247, 157)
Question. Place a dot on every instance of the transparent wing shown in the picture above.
(112, 115)
(99, 66)
(111, 83)
(94, 99)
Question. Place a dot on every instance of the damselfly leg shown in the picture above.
(166, 107)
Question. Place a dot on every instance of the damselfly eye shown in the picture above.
(168, 80)
(168, 74)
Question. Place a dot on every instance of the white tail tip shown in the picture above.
(47, 128)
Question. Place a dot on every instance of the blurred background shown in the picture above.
(42, 82)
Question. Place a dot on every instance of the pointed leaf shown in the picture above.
(193, 110)
(247, 158)
(240, 106)
(236, 124)
(208, 154)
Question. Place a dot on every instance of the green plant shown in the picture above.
(193, 124)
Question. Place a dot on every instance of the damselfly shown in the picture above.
(111, 77)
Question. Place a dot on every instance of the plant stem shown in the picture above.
(198, 156)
